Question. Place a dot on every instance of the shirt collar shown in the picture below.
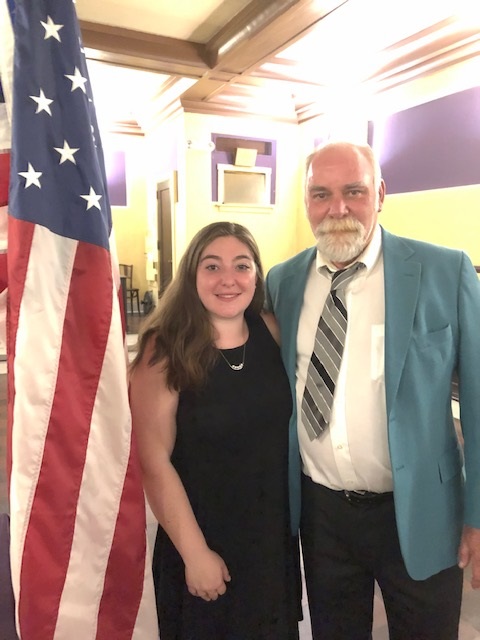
(369, 256)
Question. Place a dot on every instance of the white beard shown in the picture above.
(340, 240)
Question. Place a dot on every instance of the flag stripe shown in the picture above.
(67, 433)
(36, 384)
(79, 558)
(118, 613)
(20, 237)
(4, 177)
(112, 440)
(6, 73)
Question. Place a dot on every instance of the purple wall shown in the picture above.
(116, 177)
(115, 167)
(431, 146)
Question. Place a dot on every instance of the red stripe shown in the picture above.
(126, 564)
(19, 241)
(3, 272)
(50, 529)
(4, 177)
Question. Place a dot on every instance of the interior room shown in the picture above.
(208, 109)
(281, 75)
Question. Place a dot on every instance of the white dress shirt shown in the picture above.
(352, 453)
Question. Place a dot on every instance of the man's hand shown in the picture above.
(470, 552)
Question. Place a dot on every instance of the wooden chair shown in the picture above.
(132, 293)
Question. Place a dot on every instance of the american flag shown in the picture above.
(5, 136)
(80, 567)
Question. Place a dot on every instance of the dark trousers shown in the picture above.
(346, 547)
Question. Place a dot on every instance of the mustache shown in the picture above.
(344, 224)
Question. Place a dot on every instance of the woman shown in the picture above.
(211, 403)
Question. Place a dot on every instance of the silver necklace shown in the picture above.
(235, 367)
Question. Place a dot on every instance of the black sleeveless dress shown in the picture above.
(231, 453)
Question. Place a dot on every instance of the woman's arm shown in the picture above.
(154, 409)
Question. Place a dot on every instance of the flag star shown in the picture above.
(92, 198)
(31, 177)
(78, 81)
(51, 29)
(66, 152)
(43, 103)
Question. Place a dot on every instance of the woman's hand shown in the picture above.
(206, 575)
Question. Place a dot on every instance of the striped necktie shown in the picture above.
(327, 353)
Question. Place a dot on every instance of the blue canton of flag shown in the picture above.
(57, 160)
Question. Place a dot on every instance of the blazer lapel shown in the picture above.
(292, 289)
(402, 285)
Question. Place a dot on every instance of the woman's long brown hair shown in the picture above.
(180, 325)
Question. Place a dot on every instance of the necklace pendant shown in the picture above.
(234, 367)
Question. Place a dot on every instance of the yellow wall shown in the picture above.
(275, 230)
(450, 217)
(165, 147)
(130, 222)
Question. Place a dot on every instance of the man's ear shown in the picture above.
(381, 194)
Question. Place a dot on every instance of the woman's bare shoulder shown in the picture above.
(272, 325)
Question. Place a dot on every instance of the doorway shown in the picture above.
(164, 234)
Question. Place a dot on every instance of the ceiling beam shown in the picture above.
(257, 32)
(146, 51)
(247, 24)
(253, 36)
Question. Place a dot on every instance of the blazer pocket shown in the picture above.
(450, 464)
(434, 339)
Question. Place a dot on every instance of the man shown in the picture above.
(384, 496)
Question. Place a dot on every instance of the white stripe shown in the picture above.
(39, 341)
(146, 625)
(3, 294)
(100, 492)
(5, 130)
(108, 447)
(98, 503)
(3, 229)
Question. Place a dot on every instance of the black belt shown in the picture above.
(365, 497)
(353, 497)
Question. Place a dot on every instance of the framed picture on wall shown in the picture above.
(244, 185)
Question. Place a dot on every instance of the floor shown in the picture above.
(470, 617)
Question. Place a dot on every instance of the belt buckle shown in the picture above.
(366, 497)
(360, 497)
(350, 496)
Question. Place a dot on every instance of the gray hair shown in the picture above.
(364, 149)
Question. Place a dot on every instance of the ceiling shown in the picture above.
(286, 59)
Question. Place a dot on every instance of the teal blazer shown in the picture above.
(432, 328)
